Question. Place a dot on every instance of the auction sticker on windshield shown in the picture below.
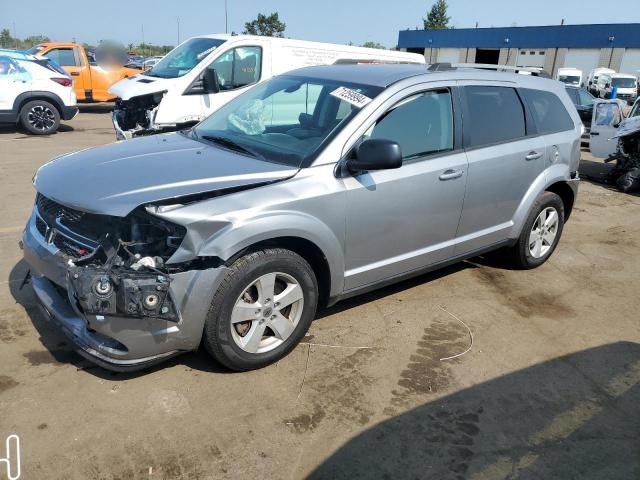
(354, 98)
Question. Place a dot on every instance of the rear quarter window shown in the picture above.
(548, 111)
(492, 115)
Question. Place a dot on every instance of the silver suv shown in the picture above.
(309, 188)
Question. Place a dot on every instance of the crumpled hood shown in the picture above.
(141, 84)
(116, 178)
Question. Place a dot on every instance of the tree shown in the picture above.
(6, 40)
(437, 17)
(34, 40)
(374, 45)
(266, 26)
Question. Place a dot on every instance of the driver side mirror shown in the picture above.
(375, 154)
(210, 82)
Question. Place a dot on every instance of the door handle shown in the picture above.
(593, 134)
(450, 174)
(533, 156)
(75, 74)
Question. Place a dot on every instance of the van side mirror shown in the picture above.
(210, 82)
(375, 154)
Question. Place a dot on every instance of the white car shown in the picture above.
(204, 73)
(34, 92)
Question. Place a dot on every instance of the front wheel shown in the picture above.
(541, 232)
(262, 309)
(40, 117)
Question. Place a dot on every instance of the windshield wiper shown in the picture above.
(231, 145)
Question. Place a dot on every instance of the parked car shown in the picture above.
(91, 80)
(608, 116)
(592, 79)
(570, 76)
(35, 93)
(231, 234)
(626, 86)
(204, 73)
(150, 62)
(583, 102)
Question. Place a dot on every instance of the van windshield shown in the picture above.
(623, 82)
(183, 58)
(286, 119)
(570, 79)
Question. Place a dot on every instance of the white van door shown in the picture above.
(607, 116)
(238, 69)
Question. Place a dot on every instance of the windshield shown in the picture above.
(569, 79)
(623, 82)
(286, 119)
(183, 58)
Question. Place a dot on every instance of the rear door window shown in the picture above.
(548, 111)
(492, 115)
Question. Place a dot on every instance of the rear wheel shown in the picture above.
(262, 309)
(541, 232)
(40, 117)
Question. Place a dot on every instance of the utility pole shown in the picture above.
(15, 37)
(178, 20)
(143, 45)
(226, 18)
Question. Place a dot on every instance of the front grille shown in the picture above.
(50, 209)
(53, 221)
(41, 226)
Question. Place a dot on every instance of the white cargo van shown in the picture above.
(626, 86)
(570, 76)
(204, 73)
(592, 79)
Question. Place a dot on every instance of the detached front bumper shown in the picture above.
(118, 343)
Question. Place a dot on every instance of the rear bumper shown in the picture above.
(68, 113)
(118, 343)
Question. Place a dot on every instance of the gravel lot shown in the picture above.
(549, 389)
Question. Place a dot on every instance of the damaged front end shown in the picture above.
(136, 117)
(625, 174)
(107, 281)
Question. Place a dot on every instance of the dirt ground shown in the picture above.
(550, 388)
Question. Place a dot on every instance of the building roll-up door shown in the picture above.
(585, 59)
(631, 61)
(448, 55)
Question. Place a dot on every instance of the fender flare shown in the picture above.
(232, 239)
(551, 175)
(25, 97)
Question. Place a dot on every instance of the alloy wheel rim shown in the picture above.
(267, 312)
(41, 117)
(544, 232)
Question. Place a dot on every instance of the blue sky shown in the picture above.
(336, 21)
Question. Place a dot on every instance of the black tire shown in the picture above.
(217, 336)
(40, 117)
(520, 253)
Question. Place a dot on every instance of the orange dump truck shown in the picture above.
(91, 81)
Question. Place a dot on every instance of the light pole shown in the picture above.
(226, 21)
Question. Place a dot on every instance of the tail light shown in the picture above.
(65, 82)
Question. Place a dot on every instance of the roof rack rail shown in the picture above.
(536, 72)
(440, 67)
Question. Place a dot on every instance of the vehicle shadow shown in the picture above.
(104, 107)
(573, 417)
(596, 173)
